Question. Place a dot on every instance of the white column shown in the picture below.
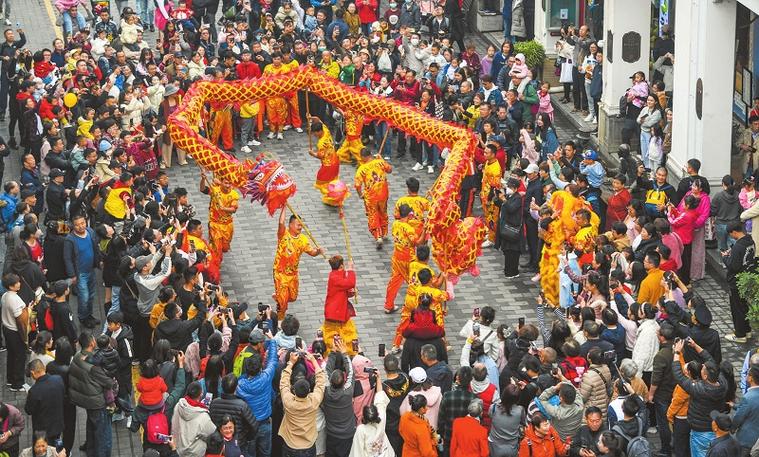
(541, 32)
(620, 18)
(705, 50)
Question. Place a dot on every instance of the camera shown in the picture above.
(262, 308)
(213, 287)
(370, 370)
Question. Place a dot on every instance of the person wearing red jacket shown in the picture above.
(470, 438)
(367, 14)
(338, 310)
(407, 90)
(247, 69)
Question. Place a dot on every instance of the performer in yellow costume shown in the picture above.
(585, 239)
(419, 205)
(414, 286)
(291, 244)
(491, 179)
(552, 233)
(276, 106)
(405, 240)
(352, 145)
(325, 151)
(371, 184)
(221, 208)
(221, 122)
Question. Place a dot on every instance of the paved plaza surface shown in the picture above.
(247, 268)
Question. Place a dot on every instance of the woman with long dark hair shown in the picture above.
(506, 418)
(370, 439)
(64, 352)
(545, 135)
(510, 226)
(211, 381)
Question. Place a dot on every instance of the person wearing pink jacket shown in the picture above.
(69, 8)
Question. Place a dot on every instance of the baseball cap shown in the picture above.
(531, 168)
(703, 315)
(256, 336)
(590, 155)
(142, 261)
(418, 375)
(723, 421)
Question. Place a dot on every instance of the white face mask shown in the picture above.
(415, 41)
(509, 191)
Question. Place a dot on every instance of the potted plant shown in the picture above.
(748, 289)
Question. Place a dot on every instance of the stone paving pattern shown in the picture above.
(247, 268)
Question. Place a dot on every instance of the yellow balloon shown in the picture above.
(70, 100)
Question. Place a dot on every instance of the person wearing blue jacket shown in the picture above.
(255, 387)
(746, 418)
(10, 193)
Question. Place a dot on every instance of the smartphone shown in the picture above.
(207, 399)
(320, 334)
(298, 342)
(161, 437)
(262, 307)
(370, 370)
(58, 445)
(354, 343)
(335, 339)
(265, 326)
(476, 329)
(381, 350)
(521, 321)
(476, 312)
(192, 244)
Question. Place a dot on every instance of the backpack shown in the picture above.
(240, 361)
(45, 316)
(654, 198)
(157, 424)
(638, 446)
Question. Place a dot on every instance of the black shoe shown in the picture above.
(90, 322)
(83, 446)
(152, 28)
(2, 117)
(12, 143)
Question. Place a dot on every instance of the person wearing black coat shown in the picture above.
(175, 330)
(246, 426)
(60, 367)
(586, 437)
(737, 260)
(706, 394)
(534, 192)
(510, 219)
(52, 246)
(63, 318)
(30, 273)
(56, 196)
(44, 401)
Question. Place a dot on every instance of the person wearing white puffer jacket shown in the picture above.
(191, 424)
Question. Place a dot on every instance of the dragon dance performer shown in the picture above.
(371, 184)
(221, 121)
(416, 287)
(325, 151)
(338, 310)
(278, 106)
(291, 245)
(291, 98)
(221, 209)
(419, 205)
(352, 145)
(405, 240)
(491, 179)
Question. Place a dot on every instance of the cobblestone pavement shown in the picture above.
(247, 267)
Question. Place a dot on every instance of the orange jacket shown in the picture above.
(547, 446)
(417, 436)
(469, 438)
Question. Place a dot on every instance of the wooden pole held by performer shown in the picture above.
(348, 248)
(384, 139)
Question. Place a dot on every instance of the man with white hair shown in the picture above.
(469, 436)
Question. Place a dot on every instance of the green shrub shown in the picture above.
(748, 289)
(534, 53)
